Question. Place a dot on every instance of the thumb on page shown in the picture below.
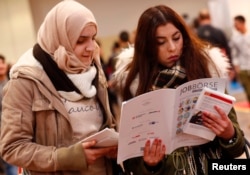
(89, 144)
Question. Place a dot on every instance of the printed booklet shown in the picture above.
(206, 102)
(170, 114)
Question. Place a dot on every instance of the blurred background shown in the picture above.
(20, 19)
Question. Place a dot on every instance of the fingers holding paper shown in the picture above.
(93, 153)
(221, 125)
(154, 152)
(112, 153)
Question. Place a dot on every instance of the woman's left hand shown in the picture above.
(221, 125)
(154, 153)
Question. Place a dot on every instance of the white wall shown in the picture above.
(17, 29)
(20, 19)
(224, 11)
(116, 15)
(220, 15)
(240, 7)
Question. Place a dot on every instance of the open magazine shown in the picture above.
(168, 114)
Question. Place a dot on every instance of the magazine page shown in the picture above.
(194, 124)
(147, 116)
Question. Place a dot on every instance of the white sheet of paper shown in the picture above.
(105, 138)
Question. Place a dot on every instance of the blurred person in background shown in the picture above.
(109, 70)
(123, 42)
(206, 31)
(124, 39)
(215, 36)
(240, 46)
(6, 168)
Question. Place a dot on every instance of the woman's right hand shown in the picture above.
(154, 153)
(92, 153)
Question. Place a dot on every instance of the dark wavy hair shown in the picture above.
(145, 62)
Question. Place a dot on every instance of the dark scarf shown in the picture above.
(58, 77)
(170, 78)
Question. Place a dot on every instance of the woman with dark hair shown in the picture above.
(167, 54)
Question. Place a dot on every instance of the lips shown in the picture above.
(86, 56)
(173, 58)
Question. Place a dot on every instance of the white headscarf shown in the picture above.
(60, 31)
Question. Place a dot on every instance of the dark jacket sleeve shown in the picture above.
(137, 167)
(235, 149)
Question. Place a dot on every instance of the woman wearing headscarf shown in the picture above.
(57, 96)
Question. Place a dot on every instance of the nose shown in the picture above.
(91, 45)
(171, 46)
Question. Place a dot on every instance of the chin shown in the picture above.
(169, 65)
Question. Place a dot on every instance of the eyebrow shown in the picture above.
(177, 32)
(87, 36)
(82, 36)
